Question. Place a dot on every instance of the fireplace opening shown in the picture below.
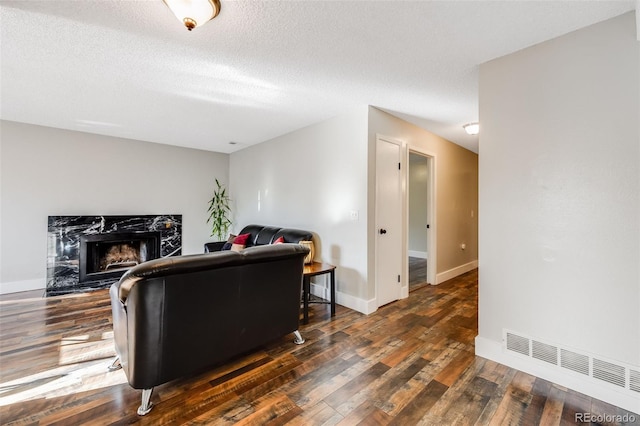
(119, 256)
(109, 256)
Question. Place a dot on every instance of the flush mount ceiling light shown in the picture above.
(472, 128)
(194, 13)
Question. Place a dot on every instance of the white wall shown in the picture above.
(46, 171)
(312, 179)
(559, 192)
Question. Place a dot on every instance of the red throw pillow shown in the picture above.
(241, 239)
(280, 240)
(240, 242)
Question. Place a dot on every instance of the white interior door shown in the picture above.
(389, 250)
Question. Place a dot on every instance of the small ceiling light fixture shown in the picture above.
(194, 13)
(472, 128)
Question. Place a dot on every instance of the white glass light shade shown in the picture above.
(194, 13)
(472, 128)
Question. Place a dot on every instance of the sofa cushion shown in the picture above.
(262, 235)
(266, 235)
(293, 235)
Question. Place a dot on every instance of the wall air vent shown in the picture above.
(518, 344)
(556, 358)
(609, 372)
(574, 361)
(634, 380)
(544, 352)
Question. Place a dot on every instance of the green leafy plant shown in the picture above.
(219, 212)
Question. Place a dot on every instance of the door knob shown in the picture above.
(382, 231)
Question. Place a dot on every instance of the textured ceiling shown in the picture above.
(262, 68)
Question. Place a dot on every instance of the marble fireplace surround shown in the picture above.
(65, 233)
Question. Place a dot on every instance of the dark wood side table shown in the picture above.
(312, 270)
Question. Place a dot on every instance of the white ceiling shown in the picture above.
(262, 68)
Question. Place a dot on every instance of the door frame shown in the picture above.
(431, 211)
(404, 281)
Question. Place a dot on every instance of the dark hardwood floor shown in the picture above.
(417, 273)
(411, 362)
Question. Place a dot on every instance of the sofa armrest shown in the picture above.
(215, 246)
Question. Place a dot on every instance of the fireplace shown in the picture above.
(105, 256)
(92, 252)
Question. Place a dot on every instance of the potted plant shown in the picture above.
(219, 212)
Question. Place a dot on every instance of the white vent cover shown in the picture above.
(574, 361)
(544, 352)
(518, 344)
(634, 380)
(608, 372)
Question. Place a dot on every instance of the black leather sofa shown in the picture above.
(262, 235)
(174, 316)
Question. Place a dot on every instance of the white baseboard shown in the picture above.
(363, 306)
(494, 351)
(25, 285)
(321, 291)
(419, 254)
(454, 272)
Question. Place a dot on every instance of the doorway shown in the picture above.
(420, 227)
